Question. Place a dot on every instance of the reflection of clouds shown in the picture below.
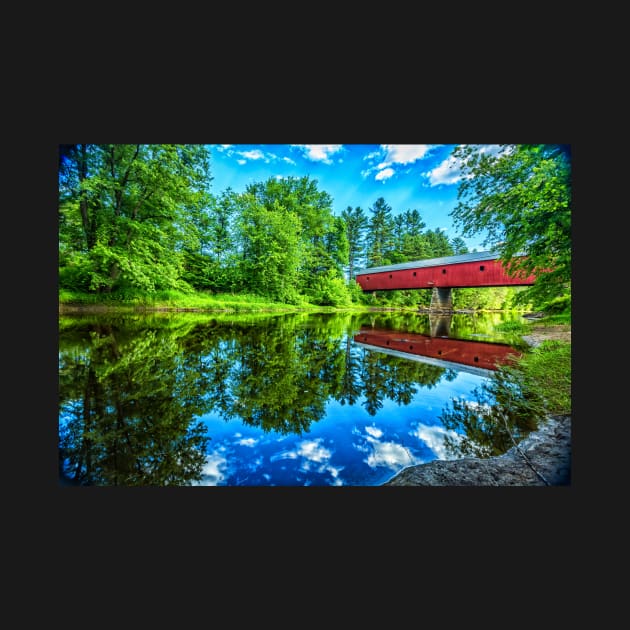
(475, 406)
(315, 458)
(214, 470)
(375, 432)
(247, 442)
(313, 450)
(433, 437)
(309, 449)
(389, 454)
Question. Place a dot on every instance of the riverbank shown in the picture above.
(543, 458)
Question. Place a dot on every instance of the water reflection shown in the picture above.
(252, 400)
(477, 357)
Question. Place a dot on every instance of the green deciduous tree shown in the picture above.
(125, 214)
(270, 249)
(521, 198)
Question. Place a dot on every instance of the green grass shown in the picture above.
(546, 372)
(513, 326)
(131, 301)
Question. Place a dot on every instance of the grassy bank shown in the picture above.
(175, 301)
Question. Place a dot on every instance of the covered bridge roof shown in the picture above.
(432, 262)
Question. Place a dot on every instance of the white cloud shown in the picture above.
(283, 455)
(388, 454)
(247, 442)
(314, 458)
(319, 152)
(371, 156)
(375, 432)
(384, 175)
(405, 153)
(433, 437)
(254, 154)
(313, 451)
(447, 172)
(392, 155)
(214, 469)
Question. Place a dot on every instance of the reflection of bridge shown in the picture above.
(477, 357)
(478, 269)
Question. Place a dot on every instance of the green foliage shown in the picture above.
(380, 237)
(125, 210)
(512, 403)
(356, 292)
(560, 305)
(330, 290)
(514, 326)
(521, 198)
(139, 218)
(272, 248)
(356, 223)
(546, 373)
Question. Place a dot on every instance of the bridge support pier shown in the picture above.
(441, 299)
(440, 325)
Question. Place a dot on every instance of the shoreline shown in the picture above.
(543, 458)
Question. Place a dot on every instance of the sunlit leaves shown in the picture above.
(521, 198)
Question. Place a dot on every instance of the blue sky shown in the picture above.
(421, 177)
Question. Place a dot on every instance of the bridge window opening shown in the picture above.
(439, 352)
(388, 342)
(390, 275)
(443, 270)
(368, 277)
(476, 359)
(410, 347)
(481, 267)
(414, 274)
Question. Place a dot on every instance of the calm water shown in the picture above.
(264, 400)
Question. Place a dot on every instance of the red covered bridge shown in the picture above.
(478, 269)
(470, 356)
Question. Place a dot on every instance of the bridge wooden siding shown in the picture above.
(478, 269)
(479, 354)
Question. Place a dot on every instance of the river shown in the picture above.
(198, 399)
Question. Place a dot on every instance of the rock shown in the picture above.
(542, 458)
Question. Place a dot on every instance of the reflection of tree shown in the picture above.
(350, 386)
(395, 378)
(500, 414)
(126, 413)
(271, 389)
(131, 387)
(370, 375)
